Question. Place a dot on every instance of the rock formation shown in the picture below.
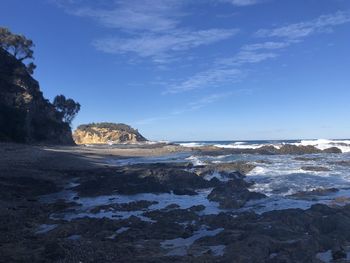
(102, 133)
(25, 115)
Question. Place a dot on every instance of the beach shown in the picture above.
(164, 202)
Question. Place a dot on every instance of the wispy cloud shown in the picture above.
(163, 45)
(242, 2)
(232, 69)
(152, 29)
(266, 45)
(324, 23)
(131, 15)
(194, 105)
(225, 70)
(246, 57)
(207, 78)
(202, 102)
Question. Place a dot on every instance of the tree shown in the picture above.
(31, 67)
(67, 108)
(17, 45)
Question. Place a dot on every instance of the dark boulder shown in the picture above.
(311, 195)
(332, 150)
(301, 149)
(236, 169)
(315, 168)
(233, 194)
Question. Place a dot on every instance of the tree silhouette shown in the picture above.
(67, 108)
(17, 45)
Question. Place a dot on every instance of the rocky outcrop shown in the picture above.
(102, 133)
(266, 150)
(242, 167)
(315, 168)
(233, 194)
(25, 115)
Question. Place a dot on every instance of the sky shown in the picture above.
(195, 69)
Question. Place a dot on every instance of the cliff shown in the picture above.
(25, 115)
(102, 133)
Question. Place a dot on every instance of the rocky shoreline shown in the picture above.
(69, 205)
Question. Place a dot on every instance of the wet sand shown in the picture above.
(77, 157)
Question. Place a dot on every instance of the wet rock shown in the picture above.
(301, 149)
(61, 205)
(174, 215)
(312, 195)
(184, 192)
(339, 201)
(172, 206)
(141, 179)
(332, 150)
(25, 185)
(264, 161)
(233, 194)
(197, 208)
(217, 172)
(343, 163)
(315, 168)
(267, 150)
(239, 166)
(54, 251)
(132, 206)
(338, 254)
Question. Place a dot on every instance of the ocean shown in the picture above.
(279, 177)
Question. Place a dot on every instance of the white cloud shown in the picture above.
(151, 15)
(323, 23)
(227, 70)
(266, 45)
(241, 2)
(195, 105)
(149, 29)
(162, 45)
(207, 78)
(246, 57)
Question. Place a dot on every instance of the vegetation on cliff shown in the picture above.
(67, 108)
(19, 46)
(25, 115)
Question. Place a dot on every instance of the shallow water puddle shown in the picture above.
(340, 198)
(219, 176)
(179, 246)
(85, 205)
(218, 250)
(44, 228)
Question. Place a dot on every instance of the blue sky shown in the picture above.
(196, 69)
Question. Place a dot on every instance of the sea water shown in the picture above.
(276, 176)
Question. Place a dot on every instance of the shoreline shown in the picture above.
(152, 212)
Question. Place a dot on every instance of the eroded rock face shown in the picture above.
(25, 115)
(102, 133)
